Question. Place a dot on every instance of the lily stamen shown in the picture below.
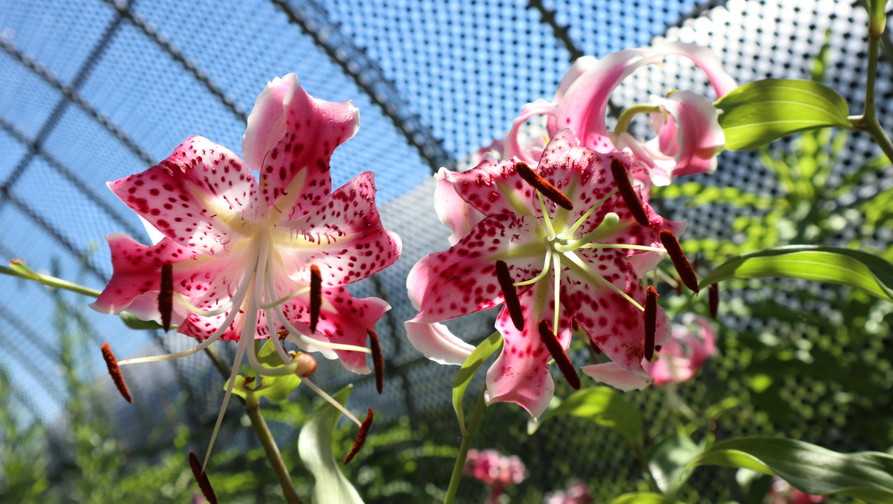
(625, 246)
(331, 400)
(115, 372)
(377, 359)
(204, 484)
(596, 279)
(166, 295)
(542, 274)
(556, 275)
(315, 296)
(360, 438)
(680, 262)
(713, 299)
(650, 321)
(586, 215)
(550, 341)
(628, 193)
(512, 303)
(543, 186)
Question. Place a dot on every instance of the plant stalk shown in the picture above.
(272, 450)
(868, 121)
(472, 426)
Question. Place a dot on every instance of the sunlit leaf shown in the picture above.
(823, 264)
(133, 322)
(812, 469)
(668, 462)
(603, 406)
(315, 450)
(466, 373)
(759, 112)
(642, 498)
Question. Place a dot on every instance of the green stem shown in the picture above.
(626, 118)
(868, 121)
(22, 271)
(273, 455)
(473, 424)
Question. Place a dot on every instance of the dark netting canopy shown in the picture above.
(94, 90)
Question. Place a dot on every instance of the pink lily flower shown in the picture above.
(576, 493)
(495, 470)
(781, 492)
(688, 134)
(690, 345)
(245, 257)
(559, 267)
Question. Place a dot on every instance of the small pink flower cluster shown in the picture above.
(576, 493)
(495, 469)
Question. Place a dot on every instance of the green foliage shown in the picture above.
(466, 373)
(315, 450)
(811, 468)
(811, 262)
(760, 112)
(23, 460)
(602, 406)
(669, 461)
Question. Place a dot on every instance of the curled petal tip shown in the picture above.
(201, 478)
(680, 262)
(360, 438)
(554, 347)
(115, 372)
(628, 193)
(377, 360)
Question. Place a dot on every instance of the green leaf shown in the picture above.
(315, 450)
(669, 462)
(823, 264)
(603, 406)
(466, 373)
(759, 112)
(274, 388)
(132, 322)
(642, 498)
(812, 469)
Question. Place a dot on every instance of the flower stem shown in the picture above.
(868, 121)
(266, 439)
(474, 423)
(626, 118)
(18, 269)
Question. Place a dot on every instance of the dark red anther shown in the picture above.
(512, 303)
(166, 295)
(628, 193)
(115, 372)
(680, 262)
(377, 359)
(713, 299)
(650, 321)
(315, 296)
(204, 484)
(554, 347)
(360, 437)
(545, 187)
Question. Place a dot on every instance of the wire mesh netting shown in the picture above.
(95, 90)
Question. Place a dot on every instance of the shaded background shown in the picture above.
(91, 91)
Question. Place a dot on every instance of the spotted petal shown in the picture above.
(342, 234)
(520, 374)
(343, 319)
(436, 342)
(290, 138)
(205, 282)
(451, 209)
(462, 280)
(196, 196)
